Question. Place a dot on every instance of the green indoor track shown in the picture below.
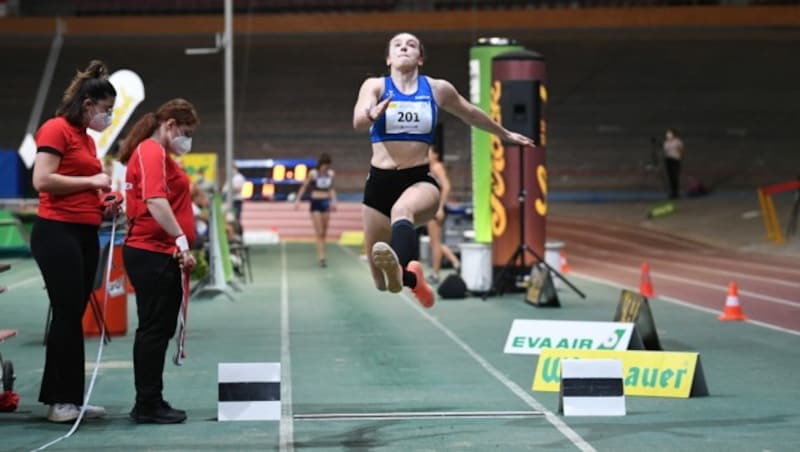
(365, 370)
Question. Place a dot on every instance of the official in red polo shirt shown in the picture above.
(160, 229)
(64, 243)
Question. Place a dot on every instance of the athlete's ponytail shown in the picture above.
(91, 83)
(144, 127)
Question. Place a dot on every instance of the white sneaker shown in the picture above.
(66, 412)
(385, 259)
(94, 412)
(63, 412)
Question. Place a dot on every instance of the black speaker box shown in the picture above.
(520, 107)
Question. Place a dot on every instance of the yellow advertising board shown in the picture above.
(194, 162)
(645, 373)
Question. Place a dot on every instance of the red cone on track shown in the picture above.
(646, 286)
(733, 310)
(563, 261)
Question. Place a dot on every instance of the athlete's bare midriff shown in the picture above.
(320, 194)
(399, 154)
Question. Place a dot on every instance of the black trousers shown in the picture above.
(67, 255)
(673, 167)
(156, 278)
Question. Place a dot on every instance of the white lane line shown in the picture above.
(262, 285)
(286, 428)
(728, 273)
(24, 282)
(683, 303)
(394, 415)
(553, 419)
(722, 289)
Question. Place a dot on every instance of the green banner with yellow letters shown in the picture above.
(480, 81)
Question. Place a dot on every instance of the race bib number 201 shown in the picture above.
(409, 117)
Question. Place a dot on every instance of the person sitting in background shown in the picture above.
(203, 183)
(237, 181)
(200, 211)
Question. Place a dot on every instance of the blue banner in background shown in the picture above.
(10, 170)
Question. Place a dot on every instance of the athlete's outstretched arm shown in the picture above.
(334, 201)
(311, 175)
(454, 103)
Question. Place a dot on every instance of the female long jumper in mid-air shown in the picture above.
(400, 112)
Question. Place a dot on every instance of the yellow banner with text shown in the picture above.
(645, 373)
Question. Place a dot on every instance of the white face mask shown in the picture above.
(100, 121)
(181, 145)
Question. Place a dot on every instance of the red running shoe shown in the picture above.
(422, 291)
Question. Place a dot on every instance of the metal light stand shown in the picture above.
(522, 247)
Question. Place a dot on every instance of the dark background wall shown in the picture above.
(732, 93)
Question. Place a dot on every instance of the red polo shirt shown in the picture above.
(78, 158)
(153, 174)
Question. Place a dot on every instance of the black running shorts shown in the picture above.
(384, 186)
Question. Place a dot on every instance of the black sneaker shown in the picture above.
(162, 413)
(322, 263)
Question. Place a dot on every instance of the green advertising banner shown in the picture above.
(480, 81)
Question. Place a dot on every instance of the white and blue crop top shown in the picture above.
(322, 181)
(409, 117)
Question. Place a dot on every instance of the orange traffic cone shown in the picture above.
(646, 286)
(733, 310)
(563, 261)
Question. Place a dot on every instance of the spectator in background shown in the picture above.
(156, 251)
(64, 242)
(323, 200)
(201, 215)
(435, 225)
(203, 183)
(673, 154)
(237, 181)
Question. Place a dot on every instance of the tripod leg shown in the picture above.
(497, 286)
